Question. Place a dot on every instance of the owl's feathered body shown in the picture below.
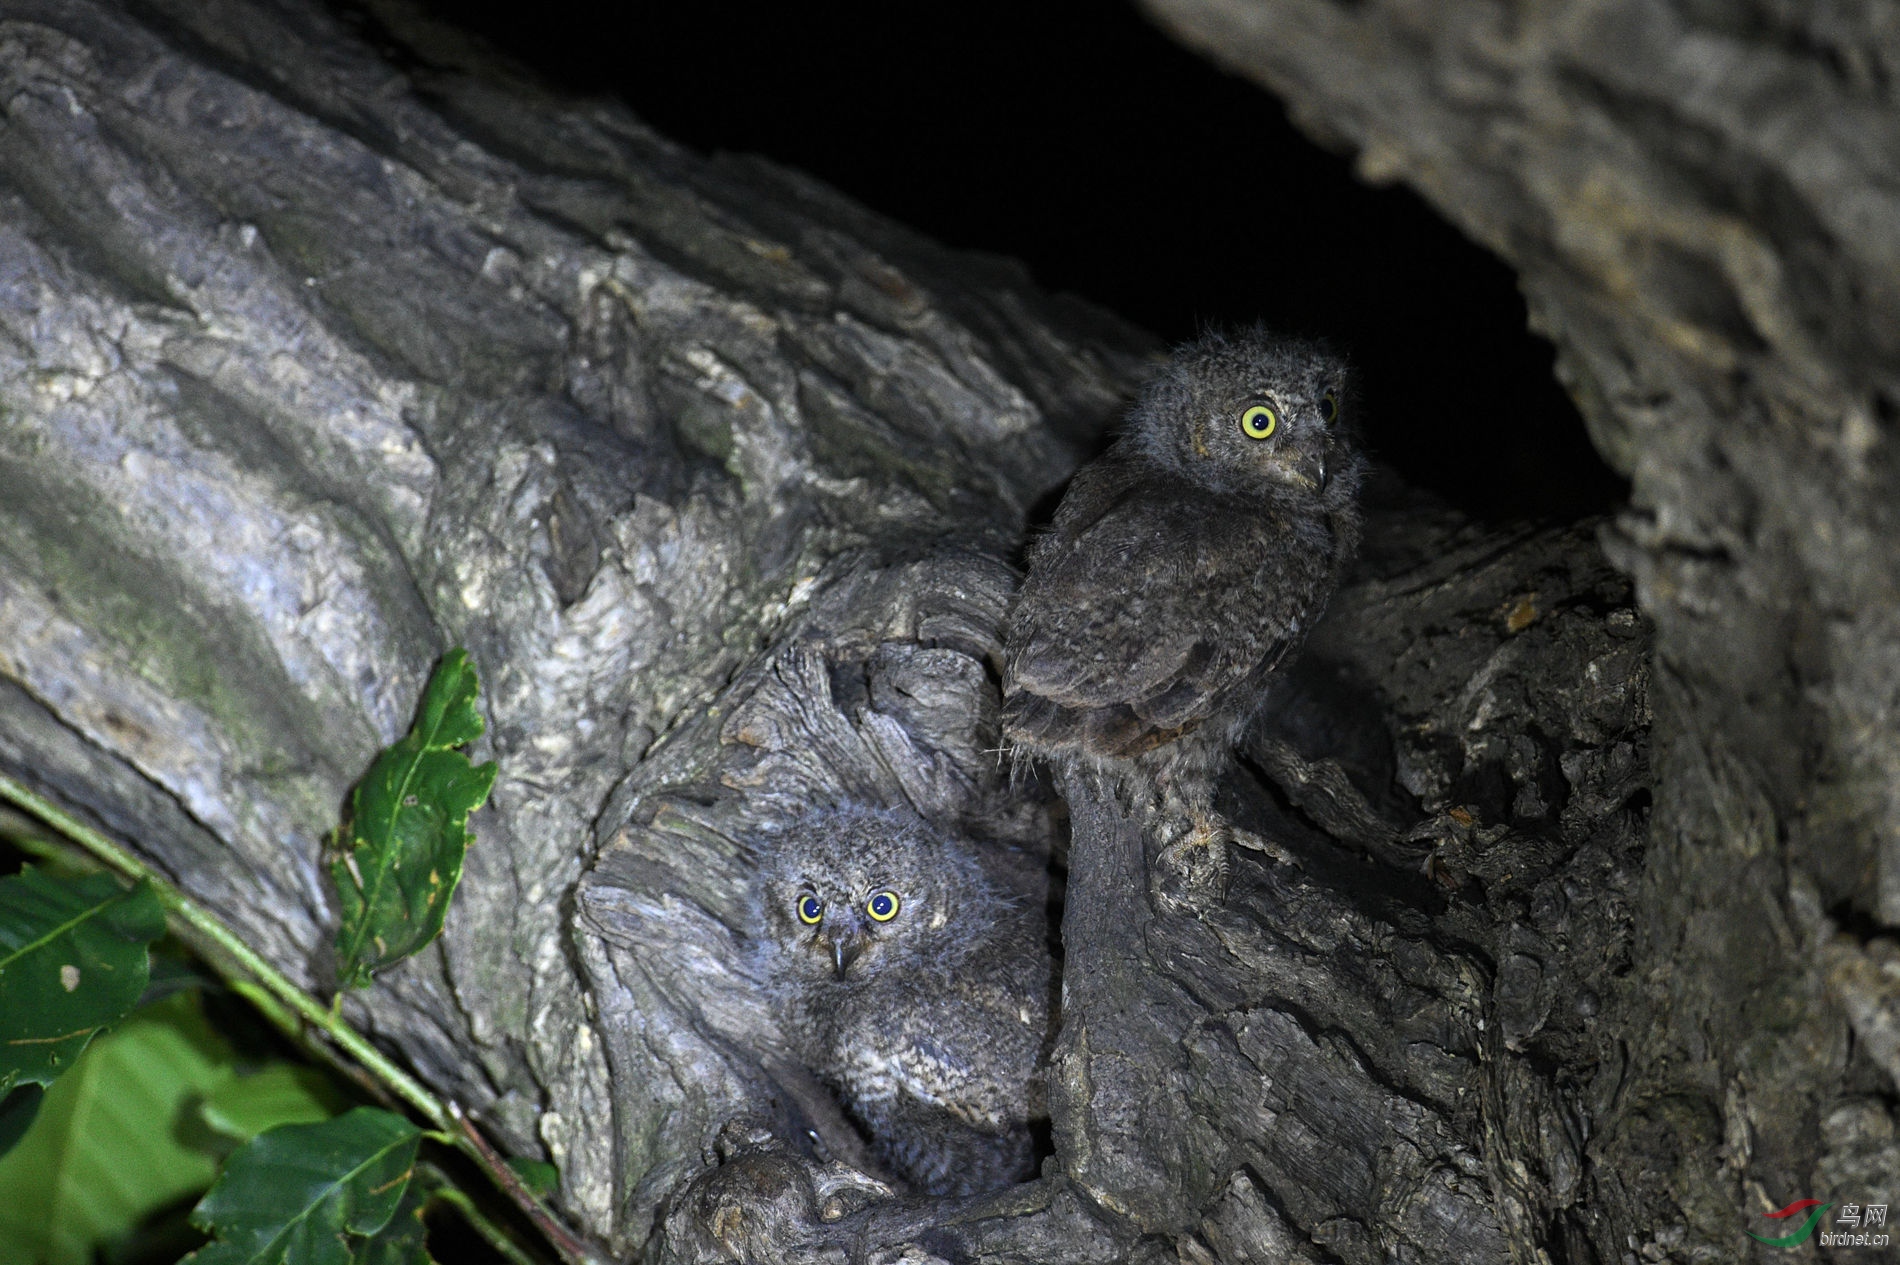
(1185, 563)
(929, 1024)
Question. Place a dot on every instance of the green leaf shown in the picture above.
(407, 829)
(73, 959)
(540, 1177)
(282, 1093)
(115, 1138)
(404, 1241)
(309, 1194)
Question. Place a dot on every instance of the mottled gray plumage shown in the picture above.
(1186, 562)
(930, 1025)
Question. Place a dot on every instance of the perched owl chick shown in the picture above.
(902, 978)
(1185, 562)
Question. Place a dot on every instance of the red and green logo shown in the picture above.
(1794, 1209)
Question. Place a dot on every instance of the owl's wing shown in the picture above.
(1144, 609)
(971, 1054)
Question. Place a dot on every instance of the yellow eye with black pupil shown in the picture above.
(882, 907)
(1329, 407)
(811, 910)
(1259, 422)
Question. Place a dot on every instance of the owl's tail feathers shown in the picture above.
(1113, 731)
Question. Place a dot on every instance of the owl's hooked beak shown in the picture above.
(845, 950)
(1311, 470)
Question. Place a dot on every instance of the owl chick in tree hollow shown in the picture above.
(1184, 564)
(904, 979)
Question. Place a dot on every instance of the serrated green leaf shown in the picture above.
(114, 1139)
(282, 1093)
(408, 829)
(308, 1194)
(73, 959)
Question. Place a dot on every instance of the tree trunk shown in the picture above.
(1700, 202)
(312, 368)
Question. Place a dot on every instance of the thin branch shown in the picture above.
(297, 1013)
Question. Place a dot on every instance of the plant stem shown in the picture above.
(208, 931)
(284, 1004)
(496, 1237)
(570, 1247)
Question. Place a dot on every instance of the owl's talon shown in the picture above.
(843, 1190)
(1260, 843)
(1192, 870)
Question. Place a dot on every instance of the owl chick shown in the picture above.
(1185, 563)
(903, 978)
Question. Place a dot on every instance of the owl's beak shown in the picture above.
(1311, 468)
(1306, 468)
(844, 951)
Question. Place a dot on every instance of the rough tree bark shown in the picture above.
(313, 368)
(1703, 204)
(310, 367)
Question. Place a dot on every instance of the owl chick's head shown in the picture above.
(845, 892)
(1251, 411)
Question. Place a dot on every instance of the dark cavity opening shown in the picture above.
(1076, 137)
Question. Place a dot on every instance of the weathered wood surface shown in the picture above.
(1359, 1049)
(311, 367)
(1703, 205)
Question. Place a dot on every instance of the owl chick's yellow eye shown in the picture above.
(882, 907)
(1259, 422)
(1329, 407)
(811, 910)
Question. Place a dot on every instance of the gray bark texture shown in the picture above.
(1702, 201)
(311, 367)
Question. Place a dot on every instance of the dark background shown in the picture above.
(1079, 139)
